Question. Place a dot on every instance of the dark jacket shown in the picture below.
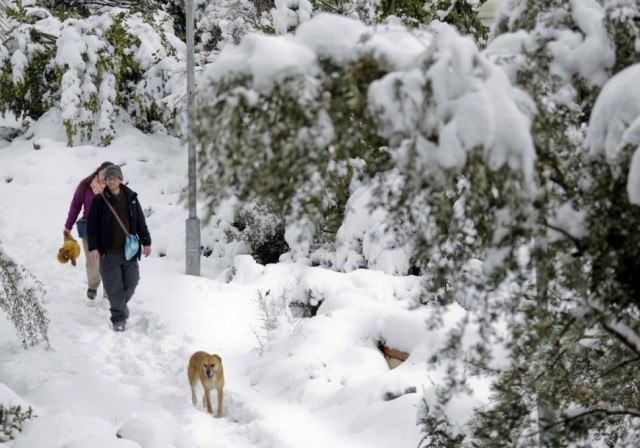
(101, 219)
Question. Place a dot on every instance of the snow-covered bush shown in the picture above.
(21, 295)
(221, 23)
(370, 238)
(11, 420)
(281, 131)
(25, 75)
(342, 127)
(95, 68)
(263, 230)
(288, 14)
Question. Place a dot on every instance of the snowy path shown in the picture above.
(112, 377)
(319, 383)
(103, 379)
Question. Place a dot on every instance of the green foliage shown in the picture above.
(364, 10)
(460, 13)
(622, 21)
(20, 297)
(121, 61)
(571, 327)
(561, 298)
(30, 96)
(262, 229)
(245, 139)
(438, 433)
(175, 9)
(64, 11)
(17, 11)
(412, 12)
(114, 75)
(11, 421)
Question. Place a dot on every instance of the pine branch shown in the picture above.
(624, 335)
(620, 365)
(577, 242)
(601, 412)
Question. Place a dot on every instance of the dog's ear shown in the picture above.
(62, 256)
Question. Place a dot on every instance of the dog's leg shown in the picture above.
(207, 398)
(192, 382)
(219, 390)
(194, 398)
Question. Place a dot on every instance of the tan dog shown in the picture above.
(207, 368)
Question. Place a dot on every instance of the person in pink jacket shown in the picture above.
(87, 189)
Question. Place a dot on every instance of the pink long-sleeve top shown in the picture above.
(81, 201)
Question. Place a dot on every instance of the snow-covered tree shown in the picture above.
(479, 164)
(575, 366)
(112, 63)
(283, 130)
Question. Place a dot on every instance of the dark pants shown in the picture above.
(119, 278)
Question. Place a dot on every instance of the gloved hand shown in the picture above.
(66, 232)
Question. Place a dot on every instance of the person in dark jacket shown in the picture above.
(106, 242)
(87, 189)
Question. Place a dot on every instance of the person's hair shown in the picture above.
(84, 183)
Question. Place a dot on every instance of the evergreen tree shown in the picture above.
(529, 230)
(572, 356)
(281, 132)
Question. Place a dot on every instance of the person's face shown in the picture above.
(113, 182)
(101, 178)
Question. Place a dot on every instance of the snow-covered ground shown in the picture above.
(290, 382)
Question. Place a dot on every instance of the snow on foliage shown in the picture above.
(615, 124)
(474, 106)
(587, 51)
(288, 14)
(94, 69)
(431, 92)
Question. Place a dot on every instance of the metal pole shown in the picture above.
(193, 223)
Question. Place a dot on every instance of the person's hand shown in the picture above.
(66, 232)
(95, 255)
(146, 250)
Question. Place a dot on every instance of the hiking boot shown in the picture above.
(119, 326)
(91, 294)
